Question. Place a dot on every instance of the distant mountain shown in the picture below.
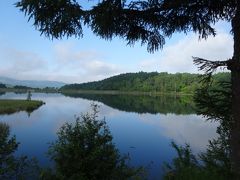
(30, 83)
(147, 82)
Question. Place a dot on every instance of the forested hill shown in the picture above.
(147, 82)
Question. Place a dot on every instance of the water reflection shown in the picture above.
(142, 104)
(148, 130)
(183, 129)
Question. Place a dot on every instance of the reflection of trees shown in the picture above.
(142, 104)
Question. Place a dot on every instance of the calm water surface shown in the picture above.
(142, 126)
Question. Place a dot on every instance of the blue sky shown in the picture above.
(24, 54)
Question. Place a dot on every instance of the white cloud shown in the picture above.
(84, 65)
(20, 64)
(178, 57)
(66, 64)
(100, 68)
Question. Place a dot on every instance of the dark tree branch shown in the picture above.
(209, 67)
(146, 21)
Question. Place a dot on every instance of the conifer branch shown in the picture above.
(209, 67)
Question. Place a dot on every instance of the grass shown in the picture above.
(9, 106)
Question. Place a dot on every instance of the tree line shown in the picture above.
(24, 89)
(149, 82)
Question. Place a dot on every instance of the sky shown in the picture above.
(26, 55)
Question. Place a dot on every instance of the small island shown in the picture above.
(9, 106)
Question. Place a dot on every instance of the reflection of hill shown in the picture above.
(142, 104)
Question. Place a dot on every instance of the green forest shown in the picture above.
(163, 82)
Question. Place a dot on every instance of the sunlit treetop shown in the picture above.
(147, 21)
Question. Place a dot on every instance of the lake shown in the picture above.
(142, 126)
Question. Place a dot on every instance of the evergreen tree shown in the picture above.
(213, 103)
(148, 21)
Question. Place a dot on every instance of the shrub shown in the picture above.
(84, 150)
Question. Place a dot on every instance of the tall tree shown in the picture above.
(150, 22)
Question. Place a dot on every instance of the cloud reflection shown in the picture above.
(192, 129)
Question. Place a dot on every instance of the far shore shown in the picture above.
(116, 92)
(50, 90)
(107, 92)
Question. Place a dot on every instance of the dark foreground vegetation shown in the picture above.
(8, 106)
(83, 150)
(214, 103)
(12, 167)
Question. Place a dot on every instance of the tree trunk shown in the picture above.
(235, 78)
